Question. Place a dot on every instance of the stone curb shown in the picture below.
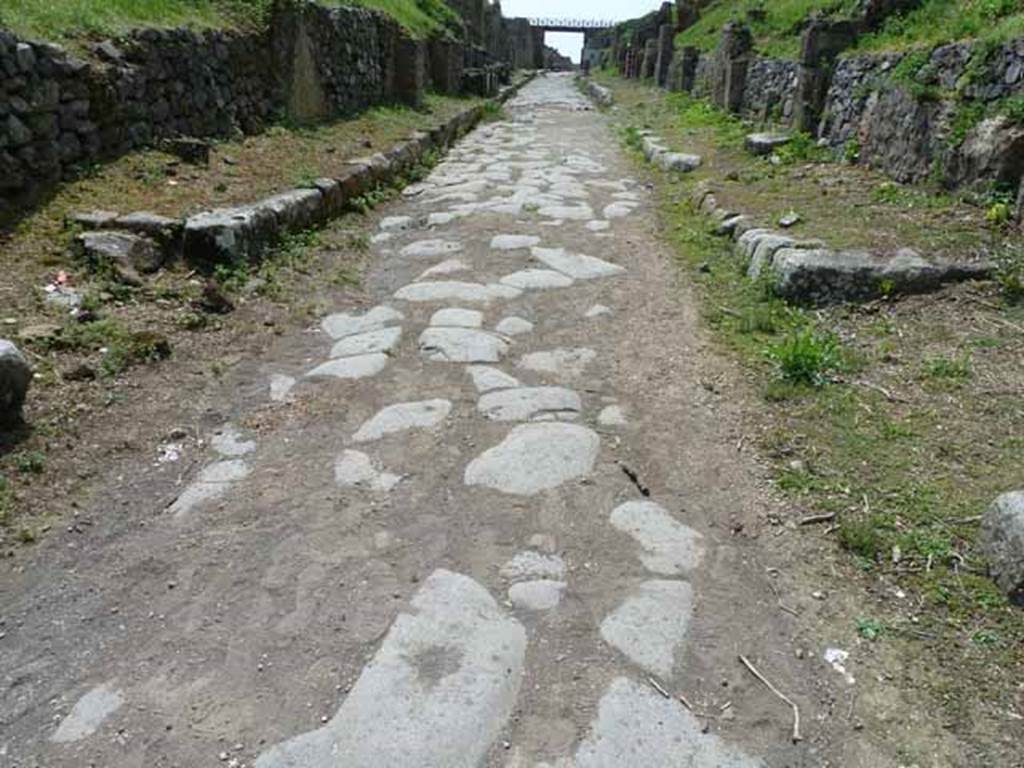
(809, 272)
(246, 232)
(598, 93)
(656, 152)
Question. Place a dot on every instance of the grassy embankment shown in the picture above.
(776, 24)
(71, 19)
(901, 417)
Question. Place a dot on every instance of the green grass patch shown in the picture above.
(56, 19)
(936, 22)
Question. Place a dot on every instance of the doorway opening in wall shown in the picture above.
(562, 50)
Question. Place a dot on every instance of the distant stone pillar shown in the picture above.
(730, 77)
(446, 63)
(650, 59)
(410, 70)
(666, 37)
(821, 44)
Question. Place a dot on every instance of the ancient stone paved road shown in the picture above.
(430, 554)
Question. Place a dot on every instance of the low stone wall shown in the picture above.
(60, 113)
(770, 89)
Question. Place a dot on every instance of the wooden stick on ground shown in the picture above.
(796, 710)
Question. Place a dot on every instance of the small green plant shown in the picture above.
(956, 369)
(492, 111)
(30, 462)
(802, 148)
(870, 629)
(851, 152)
(862, 538)
(999, 214)
(631, 137)
(1013, 108)
(1010, 271)
(806, 356)
(985, 638)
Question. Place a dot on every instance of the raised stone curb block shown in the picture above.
(598, 93)
(657, 153)
(809, 272)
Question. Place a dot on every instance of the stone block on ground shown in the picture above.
(15, 378)
(762, 144)
(124, 253)
(821, 276)
(1002, 541)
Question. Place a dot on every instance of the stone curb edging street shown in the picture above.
(808, 271)
(598, 93)
(245, 232)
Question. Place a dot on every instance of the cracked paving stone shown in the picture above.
(213, 482)
(425, 248)
(535, 458)
(457, 317)
(513, 242)
(462, 345)
(403, 416)
(340, 325)
(650, 624)
(356, 469)
(576, 265)
(452, 666)
(454, 290)
(381, 340)
(562, 362)
(528, 402)
(526, 279)
(356, 367)
(670, 548)
(487, 379)
(88, 714)
(533, 565)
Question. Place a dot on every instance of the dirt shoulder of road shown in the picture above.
(108, 375)
(885, 428)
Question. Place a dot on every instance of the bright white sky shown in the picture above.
(568, 43)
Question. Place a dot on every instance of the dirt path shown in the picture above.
(466, 526)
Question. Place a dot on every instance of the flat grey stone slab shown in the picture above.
(230, 443)
(576, 265)
(526, 279)
(425, 248)
(389, 223)
(280, 387)
(535, 458)
(542, 595)
(446, 267)
(213, 482)
(650, 624)
(88, 714)
(568, 363)
(403, 416)
(457, 317)
(513, 242)
(487, 379)
(574, 212)
(533, 565)
(513, 326)
(454, 290)
(612, 416)
(381, 340)
(356, 367)
(766, 143)
(437, 693)
(462, 345)
(670, 548)
(527, 403)
(619, 210)
(597, 311)
(637, 726)
(598, 225)
(356, 469)
(340, 325)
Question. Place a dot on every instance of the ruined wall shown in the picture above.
(60, 113)
(770, 89)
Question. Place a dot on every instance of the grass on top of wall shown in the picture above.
(777, 25)
(73, 19)
(942, 21)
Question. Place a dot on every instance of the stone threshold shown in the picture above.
(244, 233)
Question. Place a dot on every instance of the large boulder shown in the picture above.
(1002, 541)
(15, 377)
(993, 151)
